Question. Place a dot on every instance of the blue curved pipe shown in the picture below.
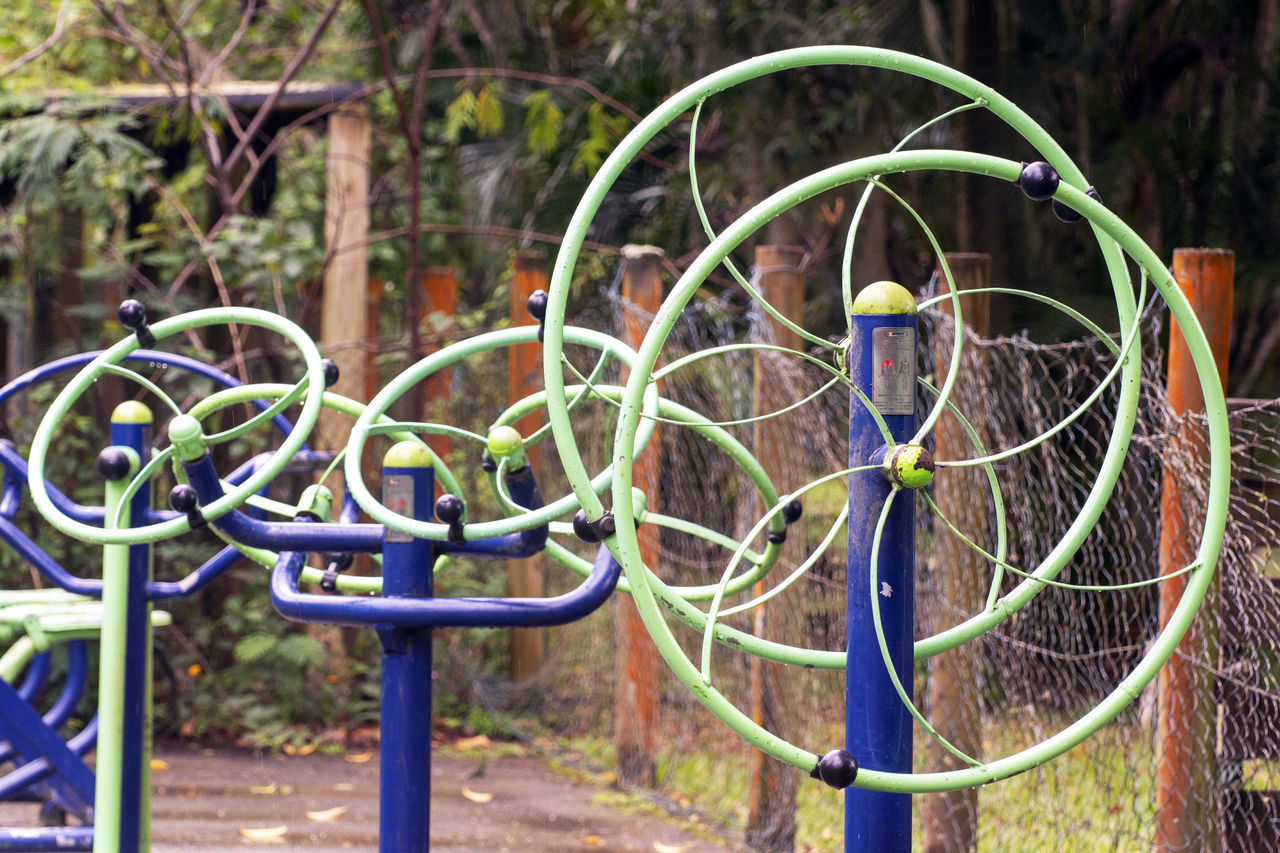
(358, 611)
(356, 537)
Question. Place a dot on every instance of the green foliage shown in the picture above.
(543, 122)
(70, 147)
(479, 110)
(603, 131)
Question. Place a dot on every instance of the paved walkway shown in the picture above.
(217, 802)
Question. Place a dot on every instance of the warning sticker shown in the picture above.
(397, 496)
(893, 383)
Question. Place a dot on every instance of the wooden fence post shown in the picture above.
(1186, 726)
(344, 298)
(636, 680)
(343, 317)
(771, 804)
(957, 587)
(524, 377)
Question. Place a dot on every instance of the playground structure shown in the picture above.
(888, 461)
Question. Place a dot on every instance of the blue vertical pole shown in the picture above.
(131, 424)
(404, 800)
(881, 363)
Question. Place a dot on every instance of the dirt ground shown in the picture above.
(228, 800)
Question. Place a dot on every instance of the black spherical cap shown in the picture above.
(132, 314)
(837, 768)
(183, 498)
(592, 532)
(1038, 180)
(1069, 215)
(113, 463)
(792, 511)
(537, 305)
(449, 508)
(331, 372)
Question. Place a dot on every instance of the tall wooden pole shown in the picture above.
(1186, 727)
(771, 803)
(524, 377)
(951, 818)
(343, 318)
(636, 682)
(344, 312)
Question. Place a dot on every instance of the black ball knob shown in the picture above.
(837, 768)
(537, 305)
(792, 511)
(183, 499)
(331, 372)
(1069, 215)
(449, 509)
(1038, 180)
(113, 464)
(592, 532)
(132, 314)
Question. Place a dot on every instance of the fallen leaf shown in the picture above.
(358, 757)
(273, 788)
(266, 835)
(592, 841)
(159, 764)
(669, 848)
(477, 742)
(305, 749)
(477, 796)
(328, 814)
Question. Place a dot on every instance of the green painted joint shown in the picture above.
(639, 504)
(505, 442)
(187, 437)
(884, 297)
(408, 454)
(316, 501)
(910, 466)
(132, 412)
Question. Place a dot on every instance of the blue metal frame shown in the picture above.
(405, 615)
(877, 725)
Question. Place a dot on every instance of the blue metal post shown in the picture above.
(131, 424)
(408, 488)
(881, 363)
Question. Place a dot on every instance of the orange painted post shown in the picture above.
(1186, 730)
(951, 818)
(440, 284)
(636, 685)
(524, 377)
(772, 788)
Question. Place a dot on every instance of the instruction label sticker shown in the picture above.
(397, 496)
(893, 383)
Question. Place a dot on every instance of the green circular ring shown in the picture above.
(61, 406)
(444, 358)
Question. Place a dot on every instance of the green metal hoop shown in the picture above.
(1116, 241)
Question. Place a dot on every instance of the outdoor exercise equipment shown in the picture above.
(114, 610)
(886, 450)
(411, 530)
(889, 460)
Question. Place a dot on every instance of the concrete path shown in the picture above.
(217, 802)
